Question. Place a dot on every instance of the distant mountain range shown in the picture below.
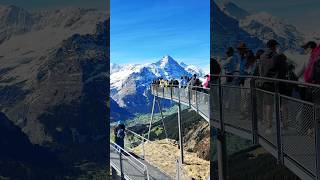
(53, 79)
(240, 25)
(232, 24)
(129, 84)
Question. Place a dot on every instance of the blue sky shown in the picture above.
(54, 4)
(145, 30)
(304, 14)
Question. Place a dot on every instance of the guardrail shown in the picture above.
(136, 164)
(195, 97)
(142, 141)
(263, 110)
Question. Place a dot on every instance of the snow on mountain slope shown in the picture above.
(59, 23)
(130, 83)
(166, 68)
(192, 69)
(228, 33)
(43, 52)
(265, 27)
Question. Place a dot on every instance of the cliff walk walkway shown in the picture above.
(131, 167)
(276, 119)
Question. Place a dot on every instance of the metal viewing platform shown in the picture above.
(284, 125)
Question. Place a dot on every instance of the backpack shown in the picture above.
(120, 134)
(115, 132)
(316, 72)
(215, 67)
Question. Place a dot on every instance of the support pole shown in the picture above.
(197, 104)
(255, 136)
(152, 115)
(162, 119)
(113, 173)
(316, 117)
(189, 95)
(180, 133)
(121, 166)
(278, 124)
(221, 141)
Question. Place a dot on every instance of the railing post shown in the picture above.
(163, 91)
(316, 116)
(121, 167)
(278, 124)
(157, 90)
(143, 152)
(145, 174)
(196, 98)
(255, 136)
(113, 173)
(179, 98)
(177, 170)
(221, 141)
(180, 133)
(189, 96)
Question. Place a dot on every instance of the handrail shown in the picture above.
(136, 134)
(270, 79)
(117, 147)
(187, 86)
(143, 149)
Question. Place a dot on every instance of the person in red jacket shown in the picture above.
(314, 50)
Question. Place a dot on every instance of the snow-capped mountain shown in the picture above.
(233, 24)
(58, 24)
(130, 83)
(228, 33)
(192, 69)
(49, 63)
(264, 26)
(166, 68)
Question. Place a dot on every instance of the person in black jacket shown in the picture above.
(281, 71)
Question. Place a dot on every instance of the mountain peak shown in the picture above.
(167, 60)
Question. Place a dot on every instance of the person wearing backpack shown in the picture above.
(267, 60)
(316, 72)
(310, 71)
(314, 50)
(215, 70)
(316, 78)
(120, 134)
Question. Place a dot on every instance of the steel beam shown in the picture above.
(162, 119)
(152, 116)
(180, 133)
(221, 140)
(278, 124)
(254, 118)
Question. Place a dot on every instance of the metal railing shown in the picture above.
(141, 141)
(195, 97)
(265, 111)
(126, 165)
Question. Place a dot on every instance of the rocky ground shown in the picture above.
(164, 154)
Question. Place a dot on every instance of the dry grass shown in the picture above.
(164, 153)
